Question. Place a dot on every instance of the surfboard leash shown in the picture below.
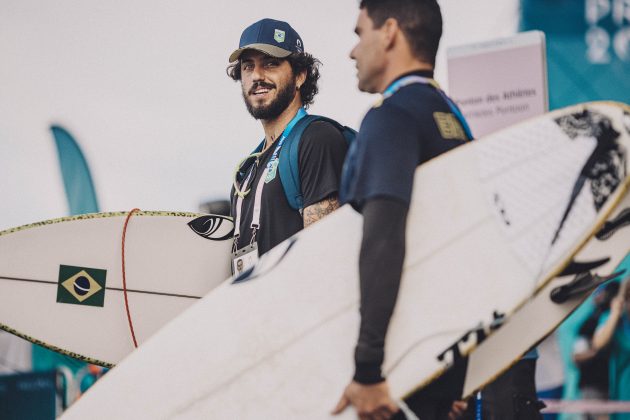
(124, 277)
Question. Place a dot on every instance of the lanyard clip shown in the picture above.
(235, 242)
(254, 231)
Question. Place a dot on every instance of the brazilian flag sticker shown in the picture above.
(81, 285)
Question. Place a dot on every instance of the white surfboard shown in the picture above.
(541, 315)
(490, 224)
(605, 257)
(61, 280)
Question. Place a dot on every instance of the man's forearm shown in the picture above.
(584, 356)
(317, 211)
(380, 269)
(604, 334)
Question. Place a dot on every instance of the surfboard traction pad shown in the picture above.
(88, 216)
(457, 373)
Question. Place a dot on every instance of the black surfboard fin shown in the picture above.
(612, 226)
(576, 267)
(582, 284)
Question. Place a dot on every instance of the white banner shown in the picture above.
(500, 82)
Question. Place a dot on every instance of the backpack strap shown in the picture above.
(288, 165)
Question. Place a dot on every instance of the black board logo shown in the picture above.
(81, 285)
(605, 167)
(454, 354)
(213, 227)
(501, 207)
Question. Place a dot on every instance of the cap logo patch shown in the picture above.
(298, 45)
(278, 35)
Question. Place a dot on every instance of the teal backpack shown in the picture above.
(288, 158)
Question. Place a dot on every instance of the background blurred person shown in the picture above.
(614, 331)
(592, 362)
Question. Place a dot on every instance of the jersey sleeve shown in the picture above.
(388, 151)
(322, 151)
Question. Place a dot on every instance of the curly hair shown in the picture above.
(299, 63)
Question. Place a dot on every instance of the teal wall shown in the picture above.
(588, 48)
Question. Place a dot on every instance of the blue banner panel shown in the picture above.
(588, 48)
(77, 179)
(28, 396)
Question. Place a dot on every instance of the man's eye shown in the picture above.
(273, 63)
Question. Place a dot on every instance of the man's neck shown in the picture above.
(395, 71)
(274, 128)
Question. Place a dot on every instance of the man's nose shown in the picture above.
(351, 55)
(258, 73)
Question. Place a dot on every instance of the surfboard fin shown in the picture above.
(576, 267)
(582, 284)
(612, 226)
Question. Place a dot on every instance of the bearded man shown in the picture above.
(279, 82)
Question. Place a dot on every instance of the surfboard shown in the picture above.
(61, 282)
(541, 315)
(606, 257)
(490, 224)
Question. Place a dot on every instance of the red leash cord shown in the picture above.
(133, 335)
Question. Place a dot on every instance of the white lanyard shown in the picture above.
(255, 225)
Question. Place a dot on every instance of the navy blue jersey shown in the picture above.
(410, 127)
(414, 123)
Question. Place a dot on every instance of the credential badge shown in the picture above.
(273, 169)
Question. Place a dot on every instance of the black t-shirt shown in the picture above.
(321, 153)
(410, 127)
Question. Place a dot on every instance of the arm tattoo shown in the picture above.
(317, 211)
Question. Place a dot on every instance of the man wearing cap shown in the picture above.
(279, 82)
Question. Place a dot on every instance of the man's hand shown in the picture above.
(458, 408)
(370, 401)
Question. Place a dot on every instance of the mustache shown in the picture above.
(261, 84)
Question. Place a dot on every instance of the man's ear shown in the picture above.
(300, 79)
(390, 30)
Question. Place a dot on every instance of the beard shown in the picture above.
(276, 107)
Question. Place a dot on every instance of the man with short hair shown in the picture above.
(415, 122)
(279, 82)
